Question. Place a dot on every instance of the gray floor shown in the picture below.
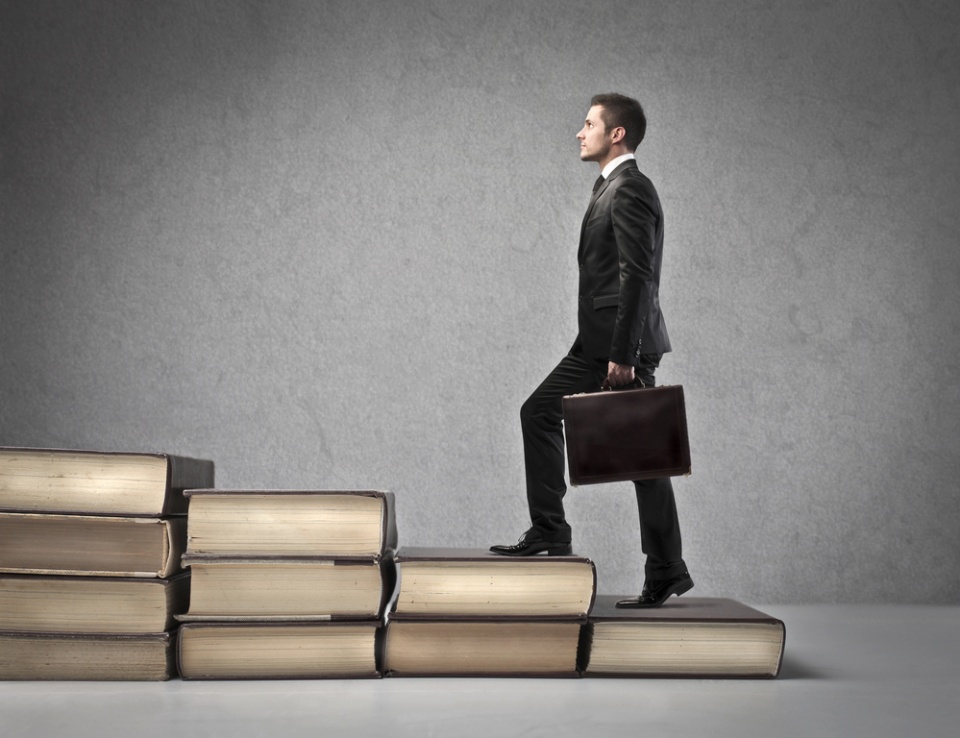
(848, 671)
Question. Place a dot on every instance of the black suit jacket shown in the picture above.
(621, 250)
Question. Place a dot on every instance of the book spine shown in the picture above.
(174, 544)
(389, 523)
(583, 647)
(380, 649)
(593, 591)
(389, 579)
(185, 473)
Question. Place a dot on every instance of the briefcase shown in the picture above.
(622, 435)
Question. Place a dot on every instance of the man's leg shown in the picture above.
(664, 570)
(660, 536)
(541, 420)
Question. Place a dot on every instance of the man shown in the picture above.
(622, 336)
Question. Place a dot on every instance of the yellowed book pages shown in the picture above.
(91, 545)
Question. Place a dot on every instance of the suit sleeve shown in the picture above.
(635, 215)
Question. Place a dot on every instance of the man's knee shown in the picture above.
(528, 411)
(536, 411)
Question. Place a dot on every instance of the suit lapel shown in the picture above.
(624, 166)
(628, 164)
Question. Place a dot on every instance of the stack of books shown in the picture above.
(90, 573)
(106, 573)
(466, 612)
(287, 584)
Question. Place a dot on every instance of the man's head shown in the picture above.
(614, 125)
(620, 111)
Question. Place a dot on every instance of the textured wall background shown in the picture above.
(334, 245)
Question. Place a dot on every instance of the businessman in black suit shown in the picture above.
(622, 336)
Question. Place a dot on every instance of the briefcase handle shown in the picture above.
(637, 383)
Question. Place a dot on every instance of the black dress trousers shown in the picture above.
(541, 419)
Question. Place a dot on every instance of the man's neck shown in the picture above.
(611, 164)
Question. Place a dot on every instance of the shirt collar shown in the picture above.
(617, 162)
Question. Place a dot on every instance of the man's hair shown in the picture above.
(620, 111)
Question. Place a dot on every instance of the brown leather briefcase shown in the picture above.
(622, 435)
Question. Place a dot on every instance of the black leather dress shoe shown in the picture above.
(531, 545)
(656, 594)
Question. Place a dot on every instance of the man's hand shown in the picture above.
(619, 374)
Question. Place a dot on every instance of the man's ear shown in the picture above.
(617, 134)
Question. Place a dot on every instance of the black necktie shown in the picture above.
(596, 185)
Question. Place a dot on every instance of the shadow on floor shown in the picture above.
(794, 669)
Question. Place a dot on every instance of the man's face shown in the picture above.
(594, 141)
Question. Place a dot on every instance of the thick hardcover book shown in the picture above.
(280, 650)
(482, 648)
(98, 483)
(304, 589)
(472, 583)
(100, 657)
(626, 435)
(87, 545)
(688, 637)
(293, 523)
(55, 604)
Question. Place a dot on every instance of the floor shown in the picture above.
(848, 670)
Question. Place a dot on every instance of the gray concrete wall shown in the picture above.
(333, 244)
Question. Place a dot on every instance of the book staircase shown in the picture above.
(106, 573)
